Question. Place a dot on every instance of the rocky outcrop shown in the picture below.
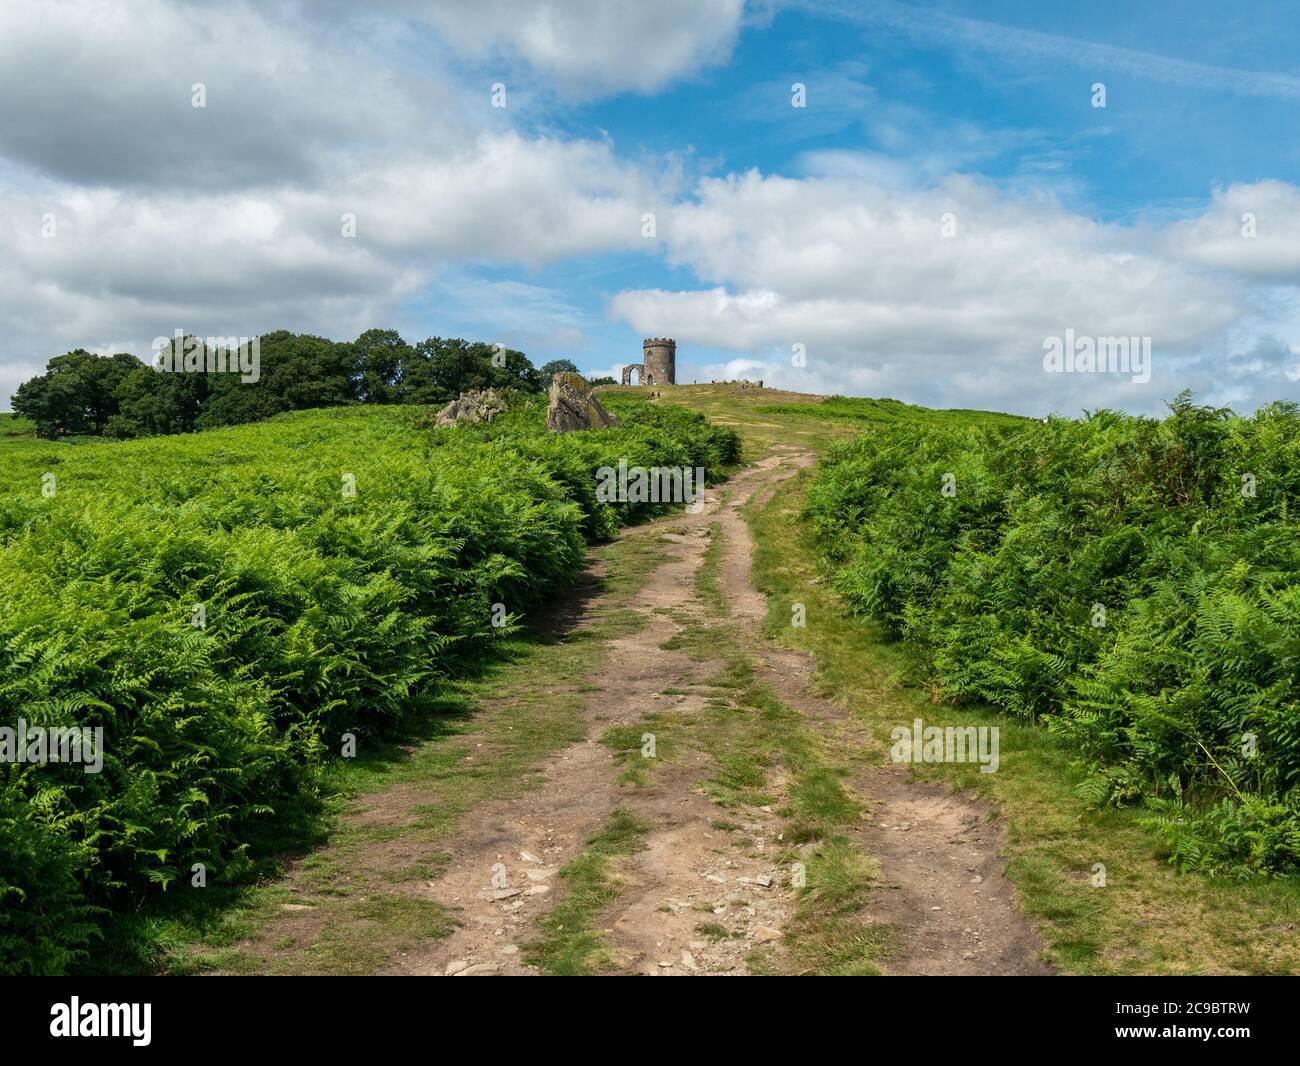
(473, 406)
(572, 406)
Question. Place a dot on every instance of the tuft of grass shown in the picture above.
(708, 587)
(715, 931)
(569, 945)
(828, 936)
(628, 743)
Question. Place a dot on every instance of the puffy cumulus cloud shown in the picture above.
(594, 46)
(229, 220)
(100, 92)
(1251, 231)
(863, 276)
(503, 198)
(123, 267)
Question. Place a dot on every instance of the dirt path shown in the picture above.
(942, 887)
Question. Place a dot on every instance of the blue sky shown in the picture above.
(776, 226)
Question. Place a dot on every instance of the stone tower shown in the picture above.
(659, 358)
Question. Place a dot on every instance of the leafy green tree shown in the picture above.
(447, 368)
(382, 360)
(76, 394)
(557, 366)
(152, 401)
(297, 371)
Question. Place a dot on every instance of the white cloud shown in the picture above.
(228, 220)
(1269, 210)
(123, 269)
(504, 198)
(133, 266)
(100, 92)
(863, 277)
(594, 46)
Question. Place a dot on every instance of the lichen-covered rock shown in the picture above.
(473, 406)
(572, 406)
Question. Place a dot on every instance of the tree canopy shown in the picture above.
(122, 396)
(558, 366)
(77, 394)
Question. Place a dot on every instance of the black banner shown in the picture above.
(143, 1016)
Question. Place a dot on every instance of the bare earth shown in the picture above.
(942, 888)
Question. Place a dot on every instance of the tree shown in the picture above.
(382, 360)
(446, 368)
(76, 394)
(296, 371)
(154, 401)
(557, 366)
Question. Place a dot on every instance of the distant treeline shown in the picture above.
(122, 396)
